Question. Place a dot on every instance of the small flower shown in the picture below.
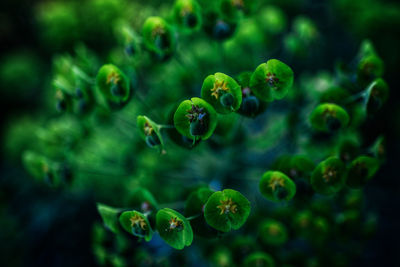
(157, 31)
(227, 206)
(276, 181)
(186, 10)
(148, 129)
(329, 174)
(218, 88)
(196, 113)
(272, 80)
(174, 223)
(138, 221)
(113, 78)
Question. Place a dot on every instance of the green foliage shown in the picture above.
(361, 170)
(273, 233)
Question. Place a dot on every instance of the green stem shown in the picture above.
(193, 217)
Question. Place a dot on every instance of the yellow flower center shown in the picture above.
(113, 77)
(138, 221)
(329, 174)
(148, 129)
(227, 206)
(276, 181)
(219, 87)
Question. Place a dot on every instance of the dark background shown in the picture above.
(49, 227)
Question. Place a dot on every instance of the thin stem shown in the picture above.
(193, 217)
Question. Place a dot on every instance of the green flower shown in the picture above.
(150, 132)
(222, 92)
(329, 117)
(251, 106)
(174, 228)
(187, 14)
(276, 186)
(377, 95)
(271, 80)
(273, 232)
(110, 217)
(259, 259)
(195, 119)
(136, 224)
(226, 210)
(328, 177)
(361, 170)
(158, 37)
(113, 85)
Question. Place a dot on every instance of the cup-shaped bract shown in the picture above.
(276, 186)
(136, 223)
(328, 117)
(226, 210)
(187, 14)
(222, 92)
(272, 20)
(251, 106)
(377, 95)
(329, 176)
(348, 150)
(158, 37)
(271, 80)
(259, 259)
(195, 118)
(150, 132)
(370, 67)
(361, 170)
(273, 232)
(174, 228)
(113, 85)
(194, 206)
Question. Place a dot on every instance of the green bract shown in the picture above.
(136, 224)
(329, 117)
(328, 177)
(276, 186)
(158, 37)
(251, 106)
(226, 210)
(273, 233)
(187, 14)
(142, 199)
(150, 132)
(377, 95)
(195, 119)
(174, 228)
(113, 85)
(222, 92)
(259, 259)
(370, 67)
(361, 170)
(195, 207)
(271, 80)
(110, 217)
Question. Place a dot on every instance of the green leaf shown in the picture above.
(276, 186)
(329, 117)
(259, 259)
(222, 92)
(174, 228)
(271, 80)
(226, 210)
(273, 232)
(361, 170)
(109, 216)
(136, 224)
(150, 132)
(195, 119)
(328, 177)
(113, 85)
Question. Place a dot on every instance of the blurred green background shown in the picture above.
(60, 226)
